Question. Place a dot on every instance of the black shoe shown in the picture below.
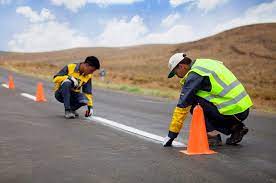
(69, 115)
(238, 132)
(76, 114)
(215, 141)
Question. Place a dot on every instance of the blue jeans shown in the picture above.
(216, 121)
(72, 100)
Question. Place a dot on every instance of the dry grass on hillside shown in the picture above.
(250, 52)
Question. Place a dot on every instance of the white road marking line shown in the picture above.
(120, 126)
(151, 136)
(28, 96)
(5, 85)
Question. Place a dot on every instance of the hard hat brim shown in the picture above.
(171, 74)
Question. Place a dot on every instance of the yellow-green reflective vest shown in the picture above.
(227, 93)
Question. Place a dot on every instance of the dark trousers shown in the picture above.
(216, 121)
(72, 100)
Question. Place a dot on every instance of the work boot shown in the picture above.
(69, 115)
(215, 140)
(238, 131)
(76, 114)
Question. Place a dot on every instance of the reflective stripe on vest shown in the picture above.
(233, 101)
(226, 88)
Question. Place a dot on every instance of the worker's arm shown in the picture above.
(87, 90)
(61, 75)
(191, 85)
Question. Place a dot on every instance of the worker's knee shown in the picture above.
(66, 84)
(83, 102)
(78, 105)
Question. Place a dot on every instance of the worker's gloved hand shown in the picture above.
(74, 81)
(89, 112)
(168, 140)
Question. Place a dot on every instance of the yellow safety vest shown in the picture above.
(74, 72)
(227, 93)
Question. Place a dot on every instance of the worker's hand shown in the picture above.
(74, 81)
(89, 112)
(167, 141)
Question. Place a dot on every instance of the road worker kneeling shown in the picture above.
(223, 98)
(70, 81)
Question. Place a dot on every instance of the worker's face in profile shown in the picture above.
(181, 70)
(89, 69)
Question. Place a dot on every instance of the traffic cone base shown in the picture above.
(198, 140)
(198, 153)
(40, 97)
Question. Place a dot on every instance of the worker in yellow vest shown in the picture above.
(223, 98)
(70, 81)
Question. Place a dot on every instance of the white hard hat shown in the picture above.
(174, 60)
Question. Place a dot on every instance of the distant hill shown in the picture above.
(249, 51)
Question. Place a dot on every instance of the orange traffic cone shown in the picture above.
(198, 142)
(11, 82)
(40, 97)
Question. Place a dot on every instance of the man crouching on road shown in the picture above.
(215, 88)
(68, 84)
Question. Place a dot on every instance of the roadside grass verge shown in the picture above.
(264, 98)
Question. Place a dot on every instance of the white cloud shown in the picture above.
(170, 20)
(47, 34)
(122, 32)
(176, 34)
(44, 34)
(74, 5)
(176, 3)
(206, 5)
(262, 13)
(133, 32)
(33, 16)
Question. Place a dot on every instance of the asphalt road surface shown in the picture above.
(38, 145)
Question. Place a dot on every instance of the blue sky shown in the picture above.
(45, 25)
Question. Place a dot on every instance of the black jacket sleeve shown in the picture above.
(62, 72)
(192, 84)
(87, 87)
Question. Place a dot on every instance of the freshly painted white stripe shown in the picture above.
(28, 96)
(129, 129)
(5, 85)
(126, 128)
